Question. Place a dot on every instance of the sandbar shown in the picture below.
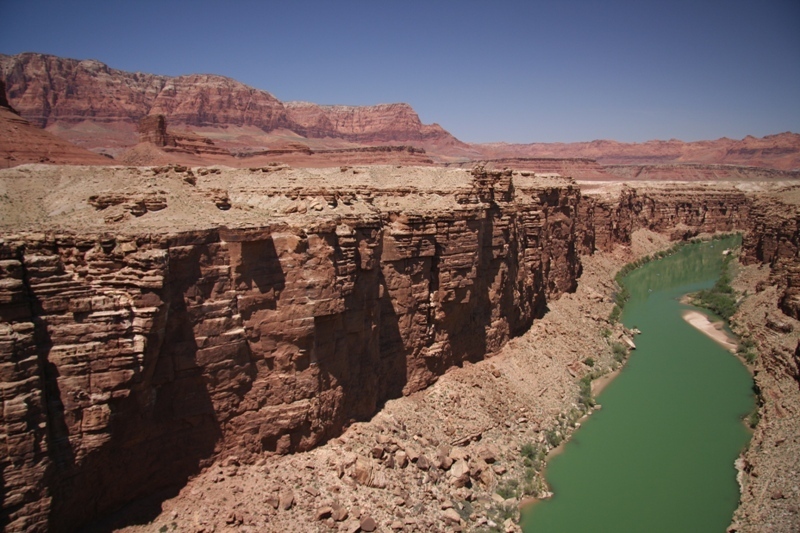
(713, 329)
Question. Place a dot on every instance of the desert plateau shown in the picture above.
(220, 311)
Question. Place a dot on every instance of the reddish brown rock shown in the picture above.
(366, 124)
(66, 94)
(368, 524)
(171, 348)
(775, 240)
(21, 142)
(153, 129)
(696, 172)
(781, 151)
(51, 91)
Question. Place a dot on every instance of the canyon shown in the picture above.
(158, 321)
(340, 310)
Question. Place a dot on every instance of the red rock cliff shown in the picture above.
(162, 351)
(131, 359)
(369, 124)
(775, 240)
(48, 90)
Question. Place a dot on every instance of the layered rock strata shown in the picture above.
(576, 168)
(697, 172)
(132, 356)
(771, 151)
(153, 129)
(21, 142)
(775, 241)
(98, 107)
(768, 319)
(378, 123)
(57, 92)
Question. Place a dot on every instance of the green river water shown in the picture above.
(659, 454)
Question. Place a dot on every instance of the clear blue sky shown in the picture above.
(523, 71)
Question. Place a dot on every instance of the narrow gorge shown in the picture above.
(157, 321)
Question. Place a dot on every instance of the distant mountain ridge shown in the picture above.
(98, 107)
(781, 151)
(49, 90)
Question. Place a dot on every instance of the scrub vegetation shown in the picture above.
(721, 298)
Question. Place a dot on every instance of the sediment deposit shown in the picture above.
(159, 321)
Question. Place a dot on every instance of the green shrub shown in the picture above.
(746, 344)
(589, 361)
(529, 451)
(622, 296)
(619, 351)
(585, 394)
(529, 474)
(721, 298)
(553, 437)
(508, 489)
(753, 418)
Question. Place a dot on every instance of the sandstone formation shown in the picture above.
(767, 319)
(364, 155)
(367, 124)
(158, 146)
(20, 142)
(155, 320)
(63, 94)
(775, 241)
(97, 107)
(153, 129)
(3, 99)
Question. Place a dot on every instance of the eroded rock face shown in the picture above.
(775, 240)
(21, 142)
(130, 361)
(48, 90)
(3, 100)
(378, 123)
(153, 130)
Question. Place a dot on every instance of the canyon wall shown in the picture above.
(775, 241)
(58, 93)
(131, 360)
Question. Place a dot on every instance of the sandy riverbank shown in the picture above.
(714, 330)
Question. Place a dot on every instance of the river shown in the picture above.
(659, 455)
